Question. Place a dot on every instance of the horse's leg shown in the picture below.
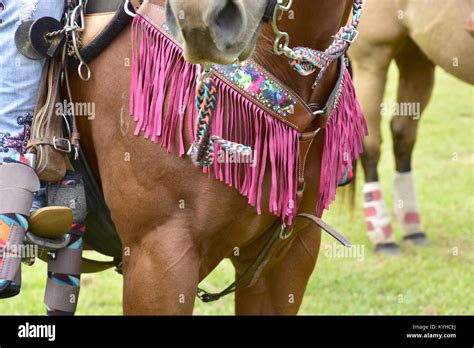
(161, 271)
(280, 290)
(414, 92)
(370, 69)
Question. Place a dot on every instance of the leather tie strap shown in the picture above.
(252, 273)
(269, 10)
(326, 228)
(59, 144)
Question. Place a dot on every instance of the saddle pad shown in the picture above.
(95, 25)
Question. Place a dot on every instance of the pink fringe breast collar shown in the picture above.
(252, 110)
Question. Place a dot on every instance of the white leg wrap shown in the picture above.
(405, 204)
(376, 214)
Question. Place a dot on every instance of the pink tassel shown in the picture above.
(342, 143)
(159, 71)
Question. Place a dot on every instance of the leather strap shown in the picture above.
(101, 6)
(47, 126)
(326, 228)
(323, 115)
(60, 144)
(306, 140)
(269, 11)
(93, 49)
(252, 273)
(104, 6)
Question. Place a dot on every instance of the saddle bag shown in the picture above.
(47, 141)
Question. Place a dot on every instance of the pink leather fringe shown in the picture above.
(342, 143)
(158, 69)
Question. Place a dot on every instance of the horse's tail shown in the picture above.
(352, 187)
(348, 191)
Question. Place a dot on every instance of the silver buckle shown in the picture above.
(354, 34)
(351, 41)
(58, 144)
(284, 233)
(354, 37)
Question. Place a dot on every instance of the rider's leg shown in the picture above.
(19, 81)
(64, 271)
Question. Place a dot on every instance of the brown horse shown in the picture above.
(176, 225)
(417, 35)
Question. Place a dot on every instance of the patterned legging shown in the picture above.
(19, 82)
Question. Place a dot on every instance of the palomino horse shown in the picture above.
(418, 35)
(175, 224)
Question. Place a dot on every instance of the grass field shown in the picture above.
(435, 280)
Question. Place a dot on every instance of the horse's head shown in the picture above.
(217, 31)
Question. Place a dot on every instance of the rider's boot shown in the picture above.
(18, 183)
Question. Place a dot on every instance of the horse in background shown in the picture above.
(418, 36)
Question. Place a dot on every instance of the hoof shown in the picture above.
(391, 249)
(418, 239)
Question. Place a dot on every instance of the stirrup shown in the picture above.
(51, 222)
(49, 245)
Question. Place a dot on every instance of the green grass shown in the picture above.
(435, 280)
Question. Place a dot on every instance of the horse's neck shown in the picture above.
(311, 24)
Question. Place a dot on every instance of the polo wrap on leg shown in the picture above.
(18, 182)
(377, 219)
(405, 204)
